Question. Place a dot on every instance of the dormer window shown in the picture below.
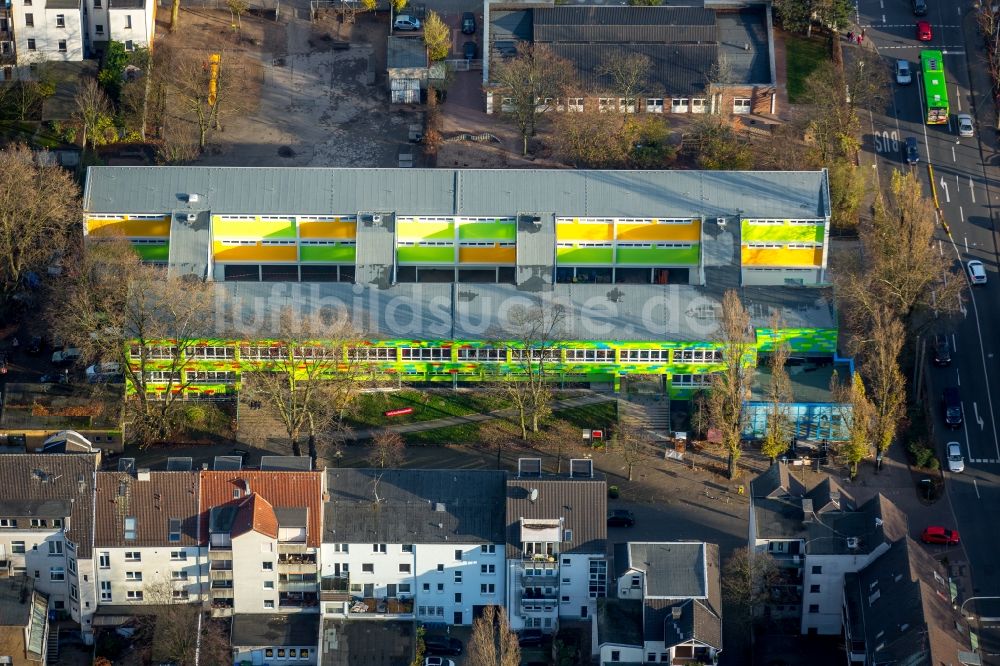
(130, 527)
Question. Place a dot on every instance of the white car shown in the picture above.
(956, 463)
(977, 272)
(103, 372)
(438, 661)
(965, 127)
(903, 75)
(406, 22)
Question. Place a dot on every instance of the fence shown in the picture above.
(463, 65)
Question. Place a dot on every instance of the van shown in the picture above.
(920, 7)
(104, 372)
(951, 404)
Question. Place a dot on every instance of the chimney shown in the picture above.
(835, 498)
(675, 612)
(142, 474)
(439, 507)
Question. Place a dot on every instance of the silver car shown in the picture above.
(956, 463)
(965, 127)
(903, 75)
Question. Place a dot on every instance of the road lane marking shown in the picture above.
(954, 159)
(954, 343)
(972, 188)
(940, 249)
(976, 486)
(965, 238)
(979, 420)
(961, 214)
(958, 377)
(958, 97)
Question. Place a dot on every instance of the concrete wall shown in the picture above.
(250, 551)
(830, 597)
(156, 566)
(625, 588)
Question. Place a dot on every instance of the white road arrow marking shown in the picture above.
(979, 420)
(944, 186)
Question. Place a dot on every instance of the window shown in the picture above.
(404, 588)
(407, 547)
(135, 576)
(175, 529)
(130, 527)
(133, 556)
(813, 608)
(128, 21)
(404, 568)
(29, 22)
(211, 376)
(60, 20)
(281, 653)
(817, 569)
(134, 595)
(626, 105)
(814, 589)
(379, 548)
(57, 522)
(458, 597)
(267, 565)
(426, 587)
(179, 575)
(303, 653)
(426, 354)
(645, 355)
(487, 568)
(458, 555)
(57, 573)
(180, 595)
(269, 603)
(104, 561)
(72, 567)
(489, 549)
(31, 43)
(178, 555)
(97, 4)
(591, 355)
(210, 352)
(367, 567)
(679, 105)
(574, 104)
(568, 535)
(741, 105)
(440, 567)
(698, 105)
(268, 584)
(8, 522)
(698, 356)
(616, 655)
(483, 354)
(105, 590)
(39, 522)
(440, 587)
(371, 353)
(62, 46)
(55, 548)
(605, 104)
(487, 588)
(17, 547)
(654, 105)
(458, 577)
(341, 548)
(74, 592)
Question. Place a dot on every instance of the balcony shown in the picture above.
(221, 565)
(540, 596)
(334, 588)
(303, 563)
(384, 607)
(540, 557)
(537, 607)
(220, 549)
(222, 607)
(535, 575)
(297, 586)
(297, 600)
(222, 584)
(296, 548)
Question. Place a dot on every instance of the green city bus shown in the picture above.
(935, 87)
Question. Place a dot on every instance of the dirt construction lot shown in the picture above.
(317, 103)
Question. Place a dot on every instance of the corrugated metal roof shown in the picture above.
(511, 24)
(154, 503)
(625, 25)
(481, 192)
(42, 477)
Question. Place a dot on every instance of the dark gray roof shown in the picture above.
(676, 69)
(624, 25)
(292, 517)
(256, 629)
(221, 518)
(809, 383)
(513, 24)
(619, 622)
(736, 31)
(15, 600)
(874, 523)
(569, 192)
(43, 477)
(899, 608)
(286, 463)
(26, 508)
(581, 503)
(406, 52)
(673, 569)
(414, 506)
(383, 643)
(695, 622)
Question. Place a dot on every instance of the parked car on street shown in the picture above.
(942, 535)
(621, 518)
(438, 661)
(34, 346)
(442, 645)
(530, 638)
(406, 22)
(468, 23)
(951, 403)
(956, 463)
(470, 50)
(942, 351)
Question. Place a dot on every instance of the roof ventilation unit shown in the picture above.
(721, 221)
(376, 219)
(852, 543)
(191, 217)
(192, 198)
(581, 468)
(529, 467)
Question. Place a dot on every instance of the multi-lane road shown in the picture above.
(965, 182)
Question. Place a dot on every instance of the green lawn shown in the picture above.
(802, 57)
(369, 410)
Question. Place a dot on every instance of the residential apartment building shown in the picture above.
(427, 544)
(263, 531)
(429, 263)
(146, 539)
(817, 535)
(8, 54)
(701, 59)
(72, 30)
(46, 528)
(668, 605)
(557, 565)
(24, 621)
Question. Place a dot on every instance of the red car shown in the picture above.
(924, 31)
(935, 534)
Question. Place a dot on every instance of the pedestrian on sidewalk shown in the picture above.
(862, 34)
(850, 36)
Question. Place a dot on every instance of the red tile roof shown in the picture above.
(279, 489)
(255, 513)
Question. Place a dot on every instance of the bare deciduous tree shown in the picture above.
(532, 331)
(237, 8)
(139, 316)
(856, 413)
(311, 377)
(629, 78)
(778, 428)
(498, 435)
(535, 74)
(387, 449)
(556, 436)
(91, 105)
(632, 444)
(184, 634)
(492, 642)
(747, 577)
(731, 385)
